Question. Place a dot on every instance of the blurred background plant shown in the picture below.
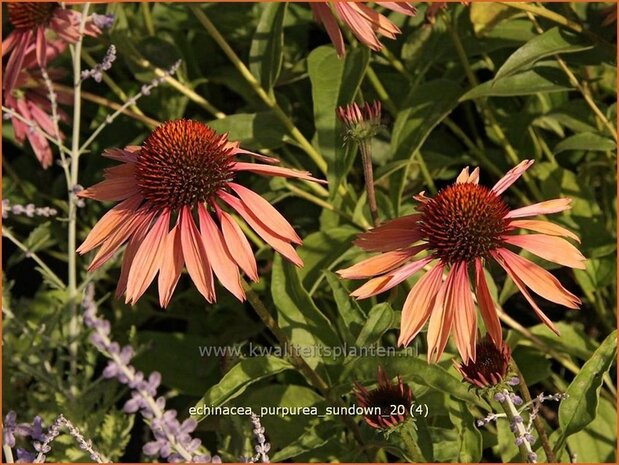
(484, 85)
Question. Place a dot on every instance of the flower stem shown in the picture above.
(519, 429)
(255, 85)
(74, 173)
(8, 453)
(297, 360)
(411, 442)
(368, 173)
(537, 421)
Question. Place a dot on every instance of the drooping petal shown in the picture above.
(523, 289)
(388, 240)
(195, 256)
(325, 16)
(41, 47)
(118, 215)
(16, 60)
(511, 176)
(268, 214)
(119, 236)
(539, 280)
(544, 227)
(220, 259)
(465, 317)
(127, 155)
(171, 266)
(279, 243)
(238, 245)
(551, 248)
(132, 248)
(117, 188)
(486, 305)
(542, 208)
(379, 264)
(384, 283)
(359, 25)
(270, 170)
(419, 304)
(441, 319)
(400, 7)
(147, 260)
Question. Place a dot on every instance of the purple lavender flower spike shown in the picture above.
(105, 21)
(8, 433)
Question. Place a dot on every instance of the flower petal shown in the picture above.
(171, 266)
(400, 7)
(544, 227)
(279, 243)
(127, 155)
(324, 15)
(220, 259)
(486, 305)
(238, 245)
(379, 264)
(465, 317)
(195, 256)
(270, 170)
(525, 293)
(441, 319)
(392, 235)
(511, 177)
(117, 188)
(539, 280)
(16, 60)
(419, 304)
(550, 248)
(108, 223)
(147, 259)
(384, 283)
(464, 177)
(132, 248)
(542, 208)
(268, 214)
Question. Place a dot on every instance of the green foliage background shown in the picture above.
(480, 87)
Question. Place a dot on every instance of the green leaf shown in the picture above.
(316, 435)
(587, 141)
(469, 437)
(485, 17)
(544, 77)
(573, 340)
(114, 434)
(304, 324)
(580, 408)
(380, 319)
(265, 55)
(533, 363)
(551, 42)
(350, 314)
(323, 250)
(240, 376)
(596, 442)
(260, 130)
(335, 81)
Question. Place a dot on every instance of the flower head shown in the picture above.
(361, 122)
(31, 21)
(490, 367)
(363, 21)
(31, 101)
(463, 227)
(184, 170)
(387, 397)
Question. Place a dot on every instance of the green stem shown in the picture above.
(257, 88)
(511, 412)
(74, 323)
(21, 246)
(148, 18)
(297, 360)
(425, 172)
(381, 91)
(411, 442)
(368, 174)
(537, 421)
(8, 453)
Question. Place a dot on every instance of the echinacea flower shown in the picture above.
(461, 228)
(31, 21)
(363, 21)
(491, 365)
(185, 171)
(393, 400)
(30, 100)
(362, 122)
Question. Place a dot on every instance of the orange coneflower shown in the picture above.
(184, 170)
(31, 20)
(364, 22)
(461, 228)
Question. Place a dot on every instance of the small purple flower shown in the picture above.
(23, 456)
(513, 381)
(532, 457)
(105, 21)
(8, 432)
(500, 397)
(517, 400)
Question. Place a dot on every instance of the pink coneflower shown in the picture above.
(364, 22)
(30, 99)
(31, 20)
(182, 172)
(392, 399)
(460, 229)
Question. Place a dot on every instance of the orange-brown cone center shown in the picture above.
(463, 222)
(28, 15)
(182, 163)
